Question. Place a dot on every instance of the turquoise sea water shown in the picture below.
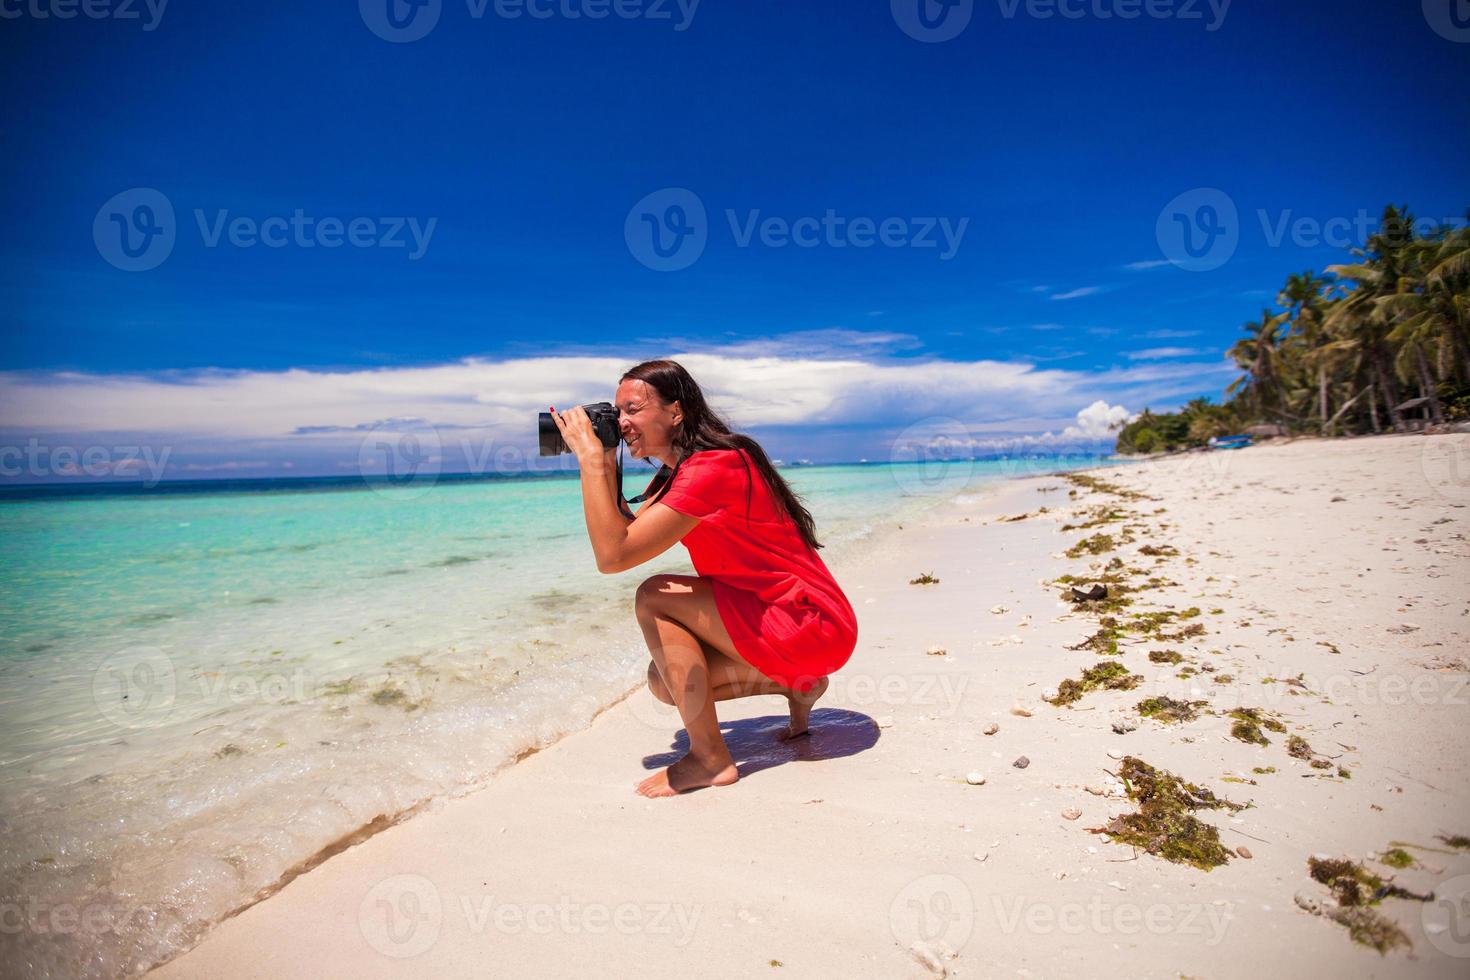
(200, 690)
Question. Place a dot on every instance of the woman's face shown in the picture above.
(647, 423)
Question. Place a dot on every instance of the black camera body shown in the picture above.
(604, 420)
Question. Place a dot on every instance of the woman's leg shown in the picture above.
(694, 665)
(678, 617)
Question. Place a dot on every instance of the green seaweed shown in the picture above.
(1096, 545)
(1164, 824)
(1371, 928)
(1168, 710)
(1108, 675)
(1098, 516)
(1397, 857)
(1298, 748)
(925, 579)
(1085, 482)
(1165, 656)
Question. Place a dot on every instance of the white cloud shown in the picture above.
(1147, 264)
(845, 405)
(1162, 353)
(1078, 293)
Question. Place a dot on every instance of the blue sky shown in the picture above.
(518, 146)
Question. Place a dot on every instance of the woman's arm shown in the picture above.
(620, 544)
(617, 543)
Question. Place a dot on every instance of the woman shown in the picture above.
(763, 616)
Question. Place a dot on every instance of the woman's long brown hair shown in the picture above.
(702, 428)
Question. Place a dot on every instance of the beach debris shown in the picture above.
(1403, 628)
(1022, 762)
(1071, 813)
(1397, 857)
(975, 779)
(1115, 754)
(1458, 841)
(1356, 890)
(1020, 712)
(1165, 657)
(998, 610)
(1084, 482)
(1299, 748)
(991, 728)
(1118, 885)
(927, 578)
(884, 721)
(1248, 724)
(937, 652)
(1094, 594)
(980, 855)
(1123, 728)
(928, 958)
(1107, 675)
(1307, 903)
(1098, 544)
(1244, 852)
(1103, 642)
(1167, 710)
(1164, 824)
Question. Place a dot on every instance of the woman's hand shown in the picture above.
(580, 437)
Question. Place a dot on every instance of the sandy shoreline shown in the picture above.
(835, 857)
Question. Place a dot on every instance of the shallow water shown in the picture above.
(201, 691)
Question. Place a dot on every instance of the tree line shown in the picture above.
(1378, 344)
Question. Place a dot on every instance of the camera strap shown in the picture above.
(663, 476)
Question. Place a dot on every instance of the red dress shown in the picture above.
(780, 604)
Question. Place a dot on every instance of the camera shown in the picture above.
(604, 420)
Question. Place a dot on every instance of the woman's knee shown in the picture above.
(656, 684)
(651, 593)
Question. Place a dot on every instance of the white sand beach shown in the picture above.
(1331, 583)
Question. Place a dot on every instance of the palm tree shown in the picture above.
(1362, 313)
(1303, 298)
(1259, 355)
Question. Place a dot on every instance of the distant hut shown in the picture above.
(1414, 425)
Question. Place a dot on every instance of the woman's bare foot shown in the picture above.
(801, 710)
(689, 773)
